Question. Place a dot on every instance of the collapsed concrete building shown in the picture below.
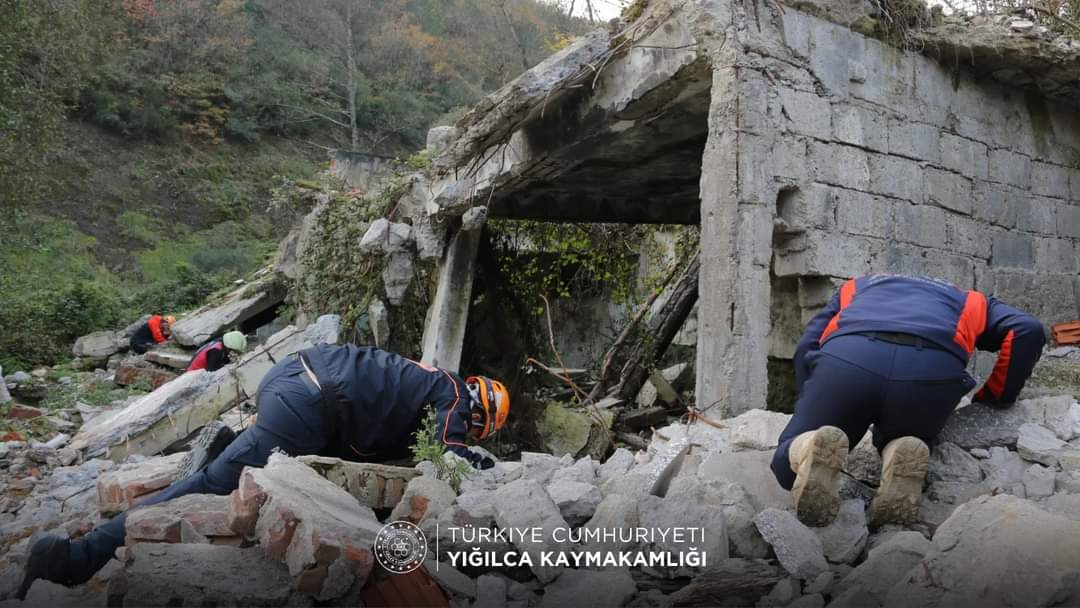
(807, 152)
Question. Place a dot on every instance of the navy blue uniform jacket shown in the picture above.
(956, 320)
(376, 400)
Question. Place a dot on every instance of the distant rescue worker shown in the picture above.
(892, 352)
(352, 402)
(155, 331)
(214, 355)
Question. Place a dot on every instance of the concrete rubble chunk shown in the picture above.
(120, 489)
(855, 597)
(386, 237)
(1038, 481)
(981, 426)
(321, 532)
(179, 408)
(1025, 557)
(823, 584)
(594, 588)
(438, 138)
(666, 513)
(1003, 468)
(864, 462)
(206, 515)
(782, 593)
(845, 538)
(617, 464)
(199, 575)
(1037, 443)
(1055, 413)
(525, 504)
(44, 593)
(539, 466)
(1066, 505)
(751, 471)
(379, 486)
(450, 579)
(169, 358)
(731, 582)
(577, 501)
(950, 462)
(474, 218)
(886, 565)
(397, 276)
(490, 592)
(808, 601)
(265, 291)
(797, 547)
(744, 540)
(615, 512)
(583, 471)
(757, 429)
(424, 498)
(100, 344)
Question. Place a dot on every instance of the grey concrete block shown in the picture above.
(827, 254)
(995, 203)
(965, 235)
(1056, 255)
(966, 157)
(1049, 180)
(914, 140)
(840, 165)
(797, 27)
(1037, 214)
(1007, 167)
(896, 177)
(920, 224)
(1012, 250)
(1074, 186)
(863, 214)
(789, 159)
(886, 76)
(1068, 221)
(859, 126)
(807, 113)
(949, 190)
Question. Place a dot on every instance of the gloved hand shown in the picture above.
(484, 463)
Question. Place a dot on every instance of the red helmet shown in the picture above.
(492, 405)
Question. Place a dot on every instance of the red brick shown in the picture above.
(244, 505)
(153, 526)
(118, 490)
(190, 519)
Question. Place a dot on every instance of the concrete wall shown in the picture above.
(359, 170)
(833, 155)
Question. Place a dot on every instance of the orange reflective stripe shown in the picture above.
(995, 384)
(972, 321)
(847, 293)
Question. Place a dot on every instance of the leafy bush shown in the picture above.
(428, 447)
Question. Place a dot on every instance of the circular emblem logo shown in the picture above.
(400, 547)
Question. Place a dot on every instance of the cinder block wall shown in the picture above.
(853, 157)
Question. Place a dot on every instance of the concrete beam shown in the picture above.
(444, 333)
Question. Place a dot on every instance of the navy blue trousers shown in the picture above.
(290, 418)
(856, 381)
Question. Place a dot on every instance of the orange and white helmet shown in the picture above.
(491, 405)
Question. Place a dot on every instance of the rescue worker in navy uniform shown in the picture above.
(156, 330)
(892, 351)
(352, 402)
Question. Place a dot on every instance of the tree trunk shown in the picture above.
(659, 332)
(350, 50)
(514, 33)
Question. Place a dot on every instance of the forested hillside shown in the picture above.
(141, 140)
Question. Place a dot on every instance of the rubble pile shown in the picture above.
(1002, 483)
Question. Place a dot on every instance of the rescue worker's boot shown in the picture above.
(208, 445)
(817, 457)
(49, 558)
(903, 470)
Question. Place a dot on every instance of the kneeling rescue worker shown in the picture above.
(214, 355)
(892, 351)
(156, 330)
(355, 403)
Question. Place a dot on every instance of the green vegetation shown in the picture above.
(142, 141)
(428, 447)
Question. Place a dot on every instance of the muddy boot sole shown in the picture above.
(816, 492)
(902, 477)
(207, 445)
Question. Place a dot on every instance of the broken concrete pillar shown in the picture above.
(169, 358)
(181, 407)
(379, 486)
(241, 304)
(444, 332)
(118, 490)
(199, 575)
(736, 237)
(318, 529)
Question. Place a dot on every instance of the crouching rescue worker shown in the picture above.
(892, 351)
(215, 354)
(155, 331)
(355, 403)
